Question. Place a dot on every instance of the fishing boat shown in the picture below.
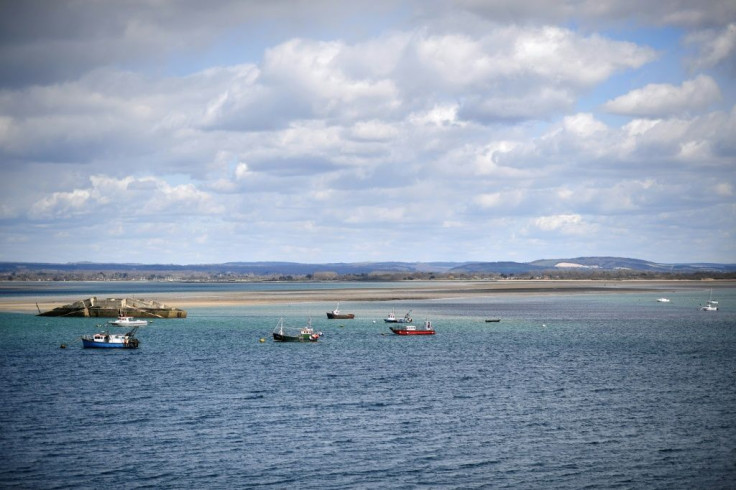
(391, 318)
(426, 329)
(303, 334)
(337, 315)
(107, 340)
(128, 321)
(710, 305)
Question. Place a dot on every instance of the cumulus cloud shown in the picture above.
(663, 100)
(303, 79)
(440, 120)
(714, 46)
(564, 223)
(134, 197)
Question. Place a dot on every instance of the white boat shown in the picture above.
(391, 318)
(663, 300)
(128, 321)
(427, 329)
(710, 305)
(107, 340)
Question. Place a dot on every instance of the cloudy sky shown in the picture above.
(326, 131)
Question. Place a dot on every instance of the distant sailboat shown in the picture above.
(711, 305)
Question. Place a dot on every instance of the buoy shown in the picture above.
(63, 346)
(261, 340)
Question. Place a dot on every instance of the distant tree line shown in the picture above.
(204, 276)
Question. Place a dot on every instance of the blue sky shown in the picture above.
(323, 131)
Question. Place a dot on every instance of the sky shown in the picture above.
(189, 132)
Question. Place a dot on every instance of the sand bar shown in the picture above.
(418, 291)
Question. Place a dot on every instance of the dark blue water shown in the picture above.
(582, 391)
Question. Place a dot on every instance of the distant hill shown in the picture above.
(590, 263)
(11, 269)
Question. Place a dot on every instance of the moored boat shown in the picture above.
(391, 318)
(711, 304)
(337, 315)
(128, 321)
(426, 329)
(303, 334)
(107, 340)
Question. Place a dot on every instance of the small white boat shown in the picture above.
(128, 321)
(391, 318)
(427, 329)
(710, 305)
(663, 300)
(107, 340)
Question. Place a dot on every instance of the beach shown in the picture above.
(426, 290)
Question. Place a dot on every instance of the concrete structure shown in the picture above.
(113, 307)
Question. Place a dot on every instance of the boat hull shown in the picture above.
(277, 337)
(340, 316)
(401, 331)
(95, 344)
(128, 321)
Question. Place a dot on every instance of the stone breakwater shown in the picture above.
(114, 307)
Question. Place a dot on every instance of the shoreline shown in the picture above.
(425, 291)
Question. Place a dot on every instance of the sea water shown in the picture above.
(566, 391)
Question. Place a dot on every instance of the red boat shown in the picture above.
(427, 329)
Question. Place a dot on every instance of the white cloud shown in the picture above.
(439, 115)
(241, 171)
(662, 100)
(62, 204)
(715, 46)
(566, 224)
(486, 136)
(373, 130)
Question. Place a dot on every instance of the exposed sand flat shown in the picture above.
(404, 291)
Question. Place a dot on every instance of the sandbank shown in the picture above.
(419, 291)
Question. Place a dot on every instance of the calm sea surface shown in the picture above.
(567, 391)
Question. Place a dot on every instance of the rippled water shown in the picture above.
(599, 391)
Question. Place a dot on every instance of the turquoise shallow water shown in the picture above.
(567, 391)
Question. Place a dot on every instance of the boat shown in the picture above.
(710, 305)
(391, 318)
(107, 340)
(426, 329)
(663, 300)
(336, 315)
(493, 320)
(128, 321)
(303, 334)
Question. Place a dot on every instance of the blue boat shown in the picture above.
(107, 340)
